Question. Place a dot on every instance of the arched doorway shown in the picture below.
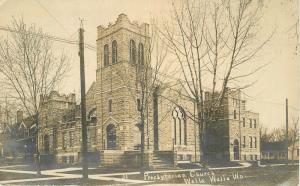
(236, 150)
(111, 137)
(46, 144)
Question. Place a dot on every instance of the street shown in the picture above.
(244, 175)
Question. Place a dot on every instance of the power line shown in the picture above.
(49, 13)
(46, 36)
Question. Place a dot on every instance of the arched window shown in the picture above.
(114, 52)
(132, 52)
(141, 54)
(106, 55)
(180, 126)
(111, 137)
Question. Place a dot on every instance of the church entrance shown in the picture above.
(111, 137)
(236, 150)
(46, 144)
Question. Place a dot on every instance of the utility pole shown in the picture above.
(287, 129)
(83, 107)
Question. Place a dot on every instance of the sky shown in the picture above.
(278, 81)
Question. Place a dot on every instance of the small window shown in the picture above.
(244, 122)
(114, 52)
(254, 123)
(110, 105)
(255, 157)
(250, 142)
(244, 141)
(250, 121)
(138, 104)
(234, 114)
(255, 143)
(106, 55)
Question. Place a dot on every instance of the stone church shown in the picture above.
(113, 102)
(113, 117)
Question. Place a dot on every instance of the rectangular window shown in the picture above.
(244, 122)
(250, 142)
(254, 123)
(297, 152)
(255, 142)
(71, 159)
(64, 159)
(244, 141)
(250, 121)
(234, 114)
(255, 157)
(110, 105)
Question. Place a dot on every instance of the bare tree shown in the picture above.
(212, 41)
(293, 135)
(30, 68)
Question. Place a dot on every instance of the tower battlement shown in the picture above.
(123, 22)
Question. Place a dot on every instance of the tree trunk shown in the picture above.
(142, 143)
(37, 152)
(201, 132)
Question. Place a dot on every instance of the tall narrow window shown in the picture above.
(141, 54)
(254, 123)
(64, 140)
(234, 114)
(250, 142)
(250, 125)
(54, 136)
(46, 144)
(106, 55)
(114, 52)
(244, 141)
(138, 104)
(110, 105)
(255, 142)
(244, 122)
(132, 52)
(71, 138)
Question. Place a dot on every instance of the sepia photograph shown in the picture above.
(149, 92)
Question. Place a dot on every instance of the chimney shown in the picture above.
(19, 116)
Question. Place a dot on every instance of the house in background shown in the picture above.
(277, 151)
(18, 139)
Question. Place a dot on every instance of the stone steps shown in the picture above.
(160, 162)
